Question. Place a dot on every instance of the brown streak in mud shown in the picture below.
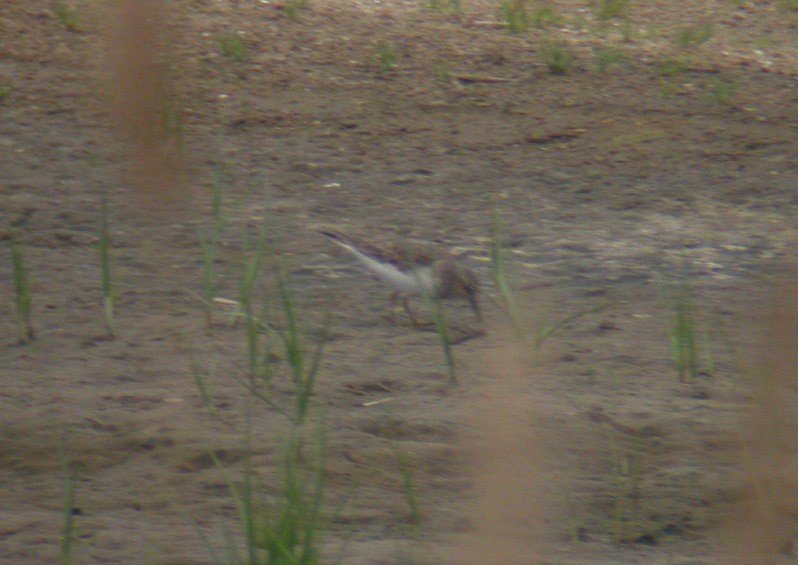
(142, 99)
(761, 530)
(512, 492)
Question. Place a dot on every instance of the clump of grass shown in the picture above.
(545, 16)
(22, 294)
(287, 527)
(284, 527)
(500, 278)
(292, 8)
(232, 46)
(684, 351)
(671, 67)
(261, 334)
(608, 57)
(515, 14)
(721, 91)
(5, 92)
(442, 71)
(104, 246)
(66, 16)
(445, 7)
(609, 9)
(387, 57)
(558, 58)
(210, 237)
(693, 36)
(791, 5)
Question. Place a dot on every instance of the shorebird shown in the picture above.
(413, 268)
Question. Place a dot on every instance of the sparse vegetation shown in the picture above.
(608, 57)
(284, 527)
(292, 8)
(671, 67)
(67, 16)
(720, 90)
(104, 246)
(445, 7)
(387, 57)
(5, 92)
(627, 462)
(791, 5)
(545, 16)
(232, 46)
(515, 14)
(693, 36)
(682, 334)
(405, 464)
(22, 293)
(500, 276)
(608, 9)
(558, 58)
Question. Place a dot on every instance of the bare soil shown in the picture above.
(615, 186)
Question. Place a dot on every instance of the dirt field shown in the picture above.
(659, 169)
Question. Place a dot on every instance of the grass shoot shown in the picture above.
(22, 294)
(104, 246)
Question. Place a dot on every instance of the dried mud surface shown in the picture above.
(613, 187)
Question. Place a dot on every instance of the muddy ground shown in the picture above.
(661, 165)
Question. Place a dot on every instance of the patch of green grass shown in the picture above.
(387, 57)
(682, 334)
(558, 58)
(671, 67)
(22, 294)
(609, 9)
(791, 5)
(293, 8)
(5, 92)
(66, 16)
(285, 527)
(628, 31)
(720, 91)
(608, 57)
(693, 36)
(767, 41)
(104, 246)
(445, 7)
(545, 16)
(515, 14)
(579, 22)
(442, 71)
(232, 46)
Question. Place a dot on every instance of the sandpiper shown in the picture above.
(413, 268)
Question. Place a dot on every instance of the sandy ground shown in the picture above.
(664, 160)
